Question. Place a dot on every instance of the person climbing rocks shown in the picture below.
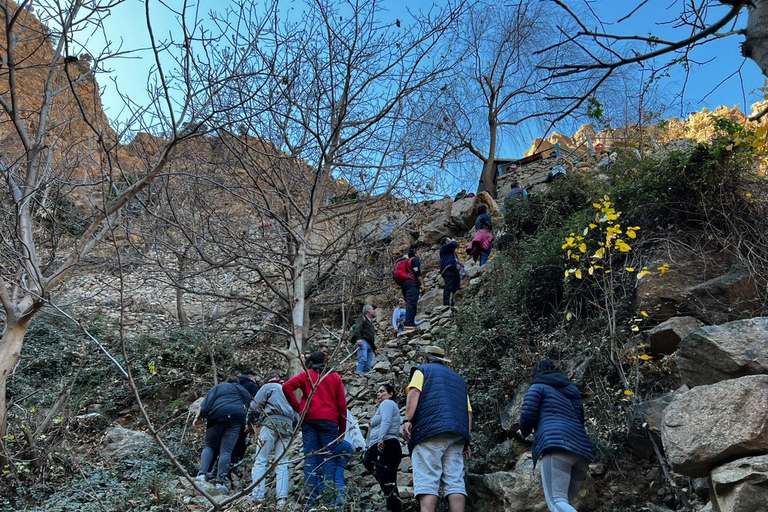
(411, 288)
(398, 317)
(250, 381)
(449, 269)
(516, 192)
(363, 335)
(324, 423)
(353, 441)
(277, 420)
(224, 407)
(482, 243)
(553, 408)
(438, 422)
(383, 454)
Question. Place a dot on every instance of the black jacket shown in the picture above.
(251, 387)
(364, 330)
(225, 402)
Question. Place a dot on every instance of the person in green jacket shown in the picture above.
(363, 335)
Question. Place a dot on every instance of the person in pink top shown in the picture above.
(324, 423)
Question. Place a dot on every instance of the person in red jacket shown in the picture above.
(324, 423)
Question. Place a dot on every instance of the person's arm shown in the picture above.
(387, 410)
(411, 403)
(395, 316)
(529, 413)
(416, 267)
(291, 386)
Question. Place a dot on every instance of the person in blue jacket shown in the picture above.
(225, 407)
(553, 409)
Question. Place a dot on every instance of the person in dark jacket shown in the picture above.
(438, 422)
(250, 381)
(363, 335)
(484, 222)
(225, 407)
(553, 409)
(449, 269)
(411, 289)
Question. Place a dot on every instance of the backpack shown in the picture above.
(403, 270)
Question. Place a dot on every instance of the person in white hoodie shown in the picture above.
(278, 421)
(353, 441)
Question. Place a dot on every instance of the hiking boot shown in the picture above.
(222, 487)
(281, 503)
(200, 477)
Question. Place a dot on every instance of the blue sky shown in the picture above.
(126, 26)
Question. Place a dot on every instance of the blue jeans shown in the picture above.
(411, 295)
(318, 437)
(484, 255)
(341, 456)
(364, 358)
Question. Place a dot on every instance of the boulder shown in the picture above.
(520, 490)
(510, 415)
(503, 456)
(714, 424)
(665, 337)
(666, 294)
(122, 443)
(725, 297)
(646, 417)
(432, 299)
(741, 485)
(463, 214)
(718, 352)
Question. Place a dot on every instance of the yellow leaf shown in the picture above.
(729, 147)
(608, 271)
(583, 247)
(566, 273)
(635, 328)
(646, 357)
(592, 226)
(748, 194)
(629, 269)
(644, 314)
(642, 274)
(631, 234)
(586, 230)
(595, 205)
(599, 253)
(628, 392)
(578, 274)
(591, 270)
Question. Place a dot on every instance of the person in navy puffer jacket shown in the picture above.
(553, 409)
(225, 407)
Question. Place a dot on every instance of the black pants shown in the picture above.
(221, 436)
(411, 295)
(451, 284)
(383, 465)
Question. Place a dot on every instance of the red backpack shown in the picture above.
(403, 270)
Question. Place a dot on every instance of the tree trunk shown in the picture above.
(488, 175)
(180, 311)
(755, 46)
(10, 352)
(296, 349)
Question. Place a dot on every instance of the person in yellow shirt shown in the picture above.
(438, 422)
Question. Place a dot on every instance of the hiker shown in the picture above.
(461, 195)
(324, 422)
(363, 335)
(353, 441)
(553, 408)
(480, 247)
(483, 234)
(224, 406)
(398, 317)
(408, 276)
(515, 192)
(438, 421)
(450, 269)
(250, 381)
(383, 455)
(277, 420)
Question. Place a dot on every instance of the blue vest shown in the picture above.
(442, 405)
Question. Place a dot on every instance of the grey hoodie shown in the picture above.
(270, 404)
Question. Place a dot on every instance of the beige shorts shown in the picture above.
(439, 460)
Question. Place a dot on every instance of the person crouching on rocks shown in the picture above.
(553, 409)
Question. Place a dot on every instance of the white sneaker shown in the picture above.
(200, 477)
(281, 503)
(222, 487)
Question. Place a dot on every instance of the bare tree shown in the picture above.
(604, 52)
(329, 137)
(64, 180)
(499, 85)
